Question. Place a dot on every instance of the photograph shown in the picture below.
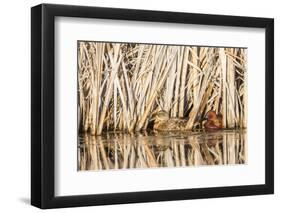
(133, 105)
(160, 105)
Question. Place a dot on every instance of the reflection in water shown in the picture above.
(150, 150)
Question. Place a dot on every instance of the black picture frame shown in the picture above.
(43, 102)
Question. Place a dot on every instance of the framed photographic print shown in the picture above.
(139, 106)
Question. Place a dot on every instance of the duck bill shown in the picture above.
(200, 118)
(152, 119)
(203, 119)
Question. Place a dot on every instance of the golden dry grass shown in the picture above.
(121, 85)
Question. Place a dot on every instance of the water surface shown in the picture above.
(166, 149)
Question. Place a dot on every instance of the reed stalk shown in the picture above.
(120, 86)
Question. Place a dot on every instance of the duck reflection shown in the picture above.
(161, 149)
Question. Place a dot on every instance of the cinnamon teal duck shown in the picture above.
(214, 121)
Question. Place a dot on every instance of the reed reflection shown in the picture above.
(170, 149)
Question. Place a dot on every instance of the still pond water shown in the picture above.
(166, 149)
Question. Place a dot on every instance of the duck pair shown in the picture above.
(162, 122)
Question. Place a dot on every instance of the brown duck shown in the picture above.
(214, 121)
(163, 122)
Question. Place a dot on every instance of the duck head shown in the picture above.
(162, 115)
(210, 115)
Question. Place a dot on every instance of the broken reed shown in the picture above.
(121, 85)
(127, 151)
